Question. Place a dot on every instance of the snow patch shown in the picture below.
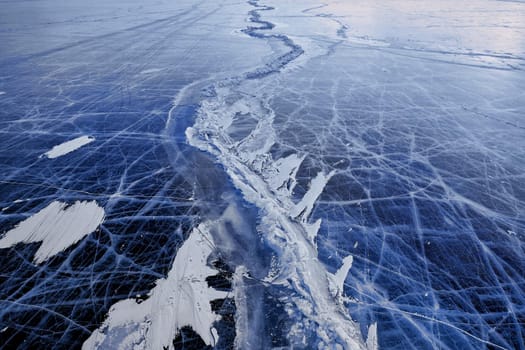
(151, 70)
(181, 299)
(58, 226)
(68, 146)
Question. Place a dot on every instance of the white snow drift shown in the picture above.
(68, 146)
(58, 226)
(181, 299)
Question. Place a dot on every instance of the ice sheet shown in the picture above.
(361, 165)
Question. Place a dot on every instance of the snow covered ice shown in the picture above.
(344, 174)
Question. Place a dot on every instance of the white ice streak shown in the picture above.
(268, 183)
(181, 299)
(58, 226)
(258, 176)
(68, 146)
(2, 92)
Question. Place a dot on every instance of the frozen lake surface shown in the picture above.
(262, 175)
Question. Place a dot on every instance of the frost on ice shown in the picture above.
(58, 226)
